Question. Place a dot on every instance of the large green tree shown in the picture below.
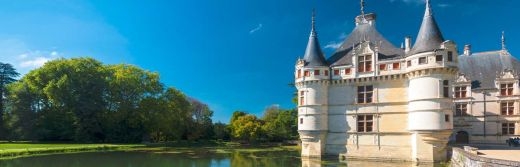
(7, 75)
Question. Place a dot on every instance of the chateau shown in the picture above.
(371, 99)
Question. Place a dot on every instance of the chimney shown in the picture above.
(467, 50)
(407, 44)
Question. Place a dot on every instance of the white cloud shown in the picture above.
(257, 28)
(23, 57)
(444, 5)
(333, 45)
(34, 59)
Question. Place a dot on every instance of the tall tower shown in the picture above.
(312, 80)
(431, 67)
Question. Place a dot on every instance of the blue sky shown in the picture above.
(230, 54)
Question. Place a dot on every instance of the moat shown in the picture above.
(187, 159)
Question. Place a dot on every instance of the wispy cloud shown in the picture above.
(444, 5)
(257, 28)
(23, 57)
(35, 59)
(333, 45)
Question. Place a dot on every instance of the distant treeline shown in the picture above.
(83, 100)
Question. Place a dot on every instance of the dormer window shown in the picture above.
(460, 91)
(347, 71)
(396, 66)
(422, 60)
(438, 58)
(336, 72)
(506, 89)
(316, 72)
(382, 67)
(365, 63)
(450, 56)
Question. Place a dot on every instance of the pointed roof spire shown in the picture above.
(362, 3)
(430, 36)
(503, 41)
(313, 54)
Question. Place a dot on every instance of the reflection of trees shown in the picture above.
(268, 158)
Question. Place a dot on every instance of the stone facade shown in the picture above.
(372, 100)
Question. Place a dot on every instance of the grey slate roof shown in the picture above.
(482, 68)
(313, 55)
(362, 32)
(430, 36)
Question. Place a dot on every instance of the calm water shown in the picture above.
(184, 159)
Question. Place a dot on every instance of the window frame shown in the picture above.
(450, 56)
(365, 94)
(423, 60)
(507, 108)
(508, 128)
(302, 98)
(445, 88)
(365, 63)
(439, 58)
(364, 124)
(460, 91)
(506, 89)
(396, 66)
(461, 109)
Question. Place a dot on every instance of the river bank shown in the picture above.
(10, 150)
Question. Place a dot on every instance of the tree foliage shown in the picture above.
(81, 99)
(7, 75)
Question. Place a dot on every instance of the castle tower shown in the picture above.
(431, 65)
(311, 80)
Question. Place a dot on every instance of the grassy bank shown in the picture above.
(25, 149)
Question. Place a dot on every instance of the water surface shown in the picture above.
(185, 159)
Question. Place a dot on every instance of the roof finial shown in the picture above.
(313, 28)
(428, 8)
(503, 41)
(362, 3)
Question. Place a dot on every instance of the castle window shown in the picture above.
(365, 123)
(508, 128)
(446, 88)
(365, 94)
(438, 58)
(326, 72)
(396, 66)
(506, 89)
(461, 109)
(299, 73)
(408, 63)
(446, 117)
(301, 120)
(316, 72)
(302, 97)
(365, 63)
(336, 72)
(382, 67)
(347, 71)
(422, 60)
(306, 73)
(460, 92)
(507, 108)
(450, 56)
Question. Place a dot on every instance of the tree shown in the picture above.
(201, 125)
(246, 127)
(7, 76)
(221, 131)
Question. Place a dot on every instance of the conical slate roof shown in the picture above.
(364, 32)
(313, 55)
(430, 36)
